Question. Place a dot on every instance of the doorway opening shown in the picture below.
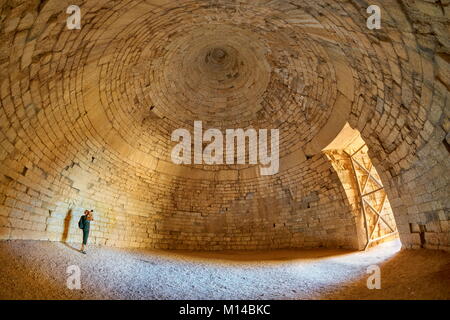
(374, 219)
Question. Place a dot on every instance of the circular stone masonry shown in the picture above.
(86, 119)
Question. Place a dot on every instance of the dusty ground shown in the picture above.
(37, 270)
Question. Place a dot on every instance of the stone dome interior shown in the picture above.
(87, 115)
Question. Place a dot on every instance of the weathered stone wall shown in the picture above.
(86, 117)
(305, 207)
(407, 129)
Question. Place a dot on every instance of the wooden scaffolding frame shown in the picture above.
(364, 200)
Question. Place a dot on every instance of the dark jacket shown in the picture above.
(86, 224)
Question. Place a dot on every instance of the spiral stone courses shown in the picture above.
(86, 118)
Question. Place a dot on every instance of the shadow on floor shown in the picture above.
(409, 274)
(38, 270)
(71, 246)
(258, 256)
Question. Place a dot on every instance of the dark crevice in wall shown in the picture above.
(422, 235)
(446, 144)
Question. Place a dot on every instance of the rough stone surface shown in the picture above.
(86, 117)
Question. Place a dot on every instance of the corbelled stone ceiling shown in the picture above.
(87, 115)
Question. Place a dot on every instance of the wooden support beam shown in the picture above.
(378, 216)
(371, 192)
(368, 178)
(384, 236)
(375, 211)
(362, 185)
(358, 150)
(363, 209)
(365, 169)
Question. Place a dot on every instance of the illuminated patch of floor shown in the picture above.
(38, 270)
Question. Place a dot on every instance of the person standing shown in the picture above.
(85, 224)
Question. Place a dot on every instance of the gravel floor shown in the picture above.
(38, 270)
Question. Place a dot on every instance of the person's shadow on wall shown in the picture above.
(65, 234)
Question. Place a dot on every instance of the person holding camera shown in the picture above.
(85, 224)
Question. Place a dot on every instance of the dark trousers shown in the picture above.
(85, 236)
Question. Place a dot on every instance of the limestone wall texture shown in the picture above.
(86, 117)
